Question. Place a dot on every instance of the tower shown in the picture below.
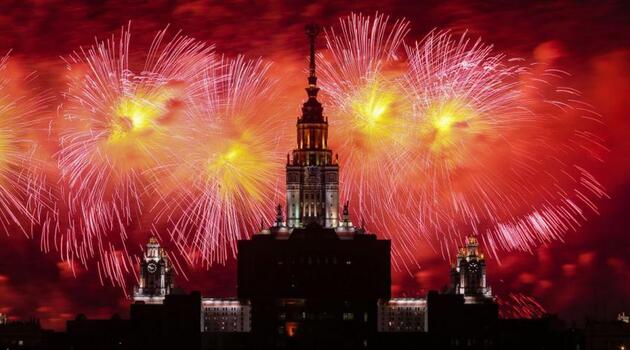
(312, 174)
(156, 279)
(314, 278)
(468, 276)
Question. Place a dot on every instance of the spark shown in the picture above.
(26, 195)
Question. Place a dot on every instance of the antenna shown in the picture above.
(312, 30)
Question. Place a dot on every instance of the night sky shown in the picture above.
(585, 276)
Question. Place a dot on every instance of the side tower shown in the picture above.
(468, 276)
(156, 280)
(312, 174)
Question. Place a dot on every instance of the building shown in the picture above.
(468, 286)
(21, 334)
(156, 280)
(226, 315)
(402, 315)
(610, 335)
(313, 281)
(176, 323)
(105, 334)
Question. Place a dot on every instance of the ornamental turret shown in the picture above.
(156, 279)
(468, 275)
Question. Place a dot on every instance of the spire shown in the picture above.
(345, 216)
(279, 217)
(346, 211)
(312, 30)
(312, 109)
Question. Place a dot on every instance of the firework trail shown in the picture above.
(450, 138)
(26, 198)
(518, 305)
(221, 189)
(118, 124)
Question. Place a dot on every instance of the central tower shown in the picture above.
(312, 174)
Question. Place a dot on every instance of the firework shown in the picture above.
(498, 146)
(369, 110)
(118, 124)
(518, 305)
(221, 189)
(26, 199)
(451, 138)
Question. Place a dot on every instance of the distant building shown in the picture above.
(175, 324)
(97, 334)
(22, 335)
(402, 315)
(611, 335)
(156, 280)
(468, 286)
(226, 315)
(450, 314)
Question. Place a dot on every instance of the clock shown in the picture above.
(152, 267)
(473, 266)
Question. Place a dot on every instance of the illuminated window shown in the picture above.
(291, 328)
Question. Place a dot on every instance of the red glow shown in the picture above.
(596, 55)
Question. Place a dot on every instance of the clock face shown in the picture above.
(473, 267)
(152, 267)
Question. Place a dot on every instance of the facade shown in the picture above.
(468, 275)
(226, 315)
(402, 315)
(313, 284)
(156, 280)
